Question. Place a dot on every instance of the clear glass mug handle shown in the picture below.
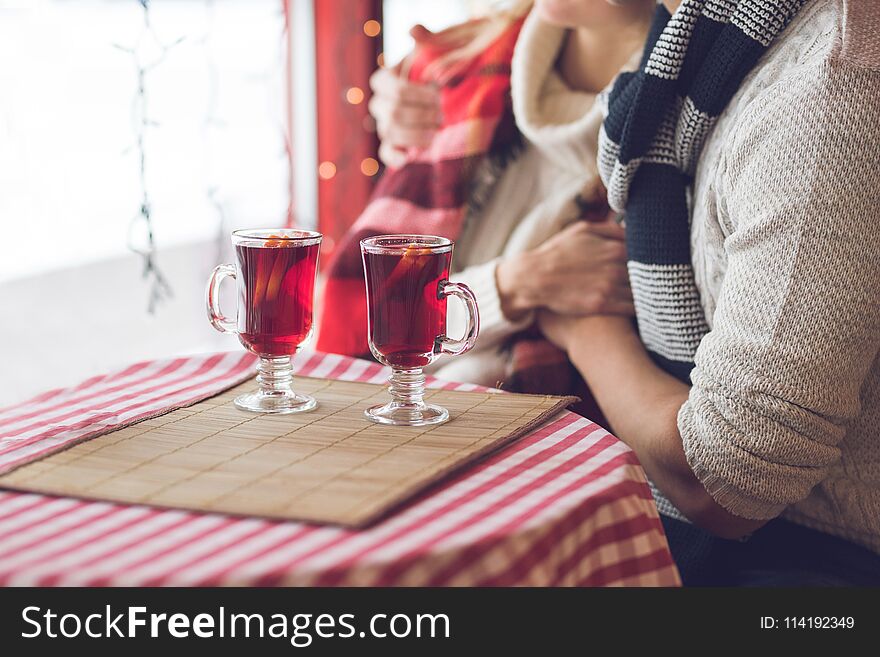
(212, 299)
(450, 345)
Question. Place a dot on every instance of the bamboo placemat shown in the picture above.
(328, 466)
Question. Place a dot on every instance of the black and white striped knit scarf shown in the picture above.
(657, 121)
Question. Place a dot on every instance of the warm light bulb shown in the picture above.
(354, 95)
(369, 166)
(372, 28)
(326, 170)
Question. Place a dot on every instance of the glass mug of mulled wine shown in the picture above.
(275, 274)
(407, 287)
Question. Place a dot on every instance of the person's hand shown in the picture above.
(579, 271)
(407, 113)
(566, 331)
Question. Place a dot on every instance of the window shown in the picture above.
(73, 296)
(69, 120)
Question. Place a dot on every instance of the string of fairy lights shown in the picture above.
(141, 236)
(148, 52)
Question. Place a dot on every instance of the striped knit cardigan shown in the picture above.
(657, 121)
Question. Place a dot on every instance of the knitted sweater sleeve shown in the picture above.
(797, 324)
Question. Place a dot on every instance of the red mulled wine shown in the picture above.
(276, 289)
(407, 313)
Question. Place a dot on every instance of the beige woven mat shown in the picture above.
(328, 466)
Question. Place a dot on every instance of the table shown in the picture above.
(567, 505)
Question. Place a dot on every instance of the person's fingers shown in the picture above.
(386, 113)
(384, 81)
(442, 40)
(582, 238)
(402, 136)
(617, 273)
(455, 36)
(387, 84)
(614, 251)
(613, 271)
(415, 93)
(591, 302)
(574, 230)
(415, 116)
(607, 229)
(421, 34)
(380, 109)
(622, 292)
(391, 156)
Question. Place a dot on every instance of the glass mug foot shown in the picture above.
(410, 415)
(275, 402)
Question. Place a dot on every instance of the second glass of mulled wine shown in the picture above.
(407, 286)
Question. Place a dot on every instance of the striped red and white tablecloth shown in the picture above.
(566, 505)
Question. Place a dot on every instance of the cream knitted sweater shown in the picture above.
(784, 413)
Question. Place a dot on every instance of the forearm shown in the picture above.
(515, 299)
(641, 402)
(495, 325)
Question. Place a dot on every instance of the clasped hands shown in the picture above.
(576, 282)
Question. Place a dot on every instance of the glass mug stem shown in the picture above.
(274, 375)
(407, 387)
(275, 392)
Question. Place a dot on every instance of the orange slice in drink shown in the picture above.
(407, 264)
(274, 241)
(276, 277)
(263, 276)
